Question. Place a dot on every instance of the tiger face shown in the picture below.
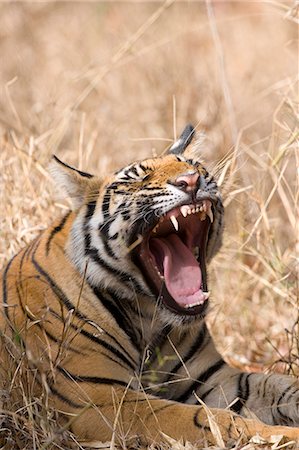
(151, 228)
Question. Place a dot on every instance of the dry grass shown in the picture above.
(102, 84)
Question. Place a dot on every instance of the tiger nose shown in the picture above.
(187, 181)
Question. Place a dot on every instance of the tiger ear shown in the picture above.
(73, 182)
(184, 140)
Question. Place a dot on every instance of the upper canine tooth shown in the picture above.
(210, 214)
(174, 222)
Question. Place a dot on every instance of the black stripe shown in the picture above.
(26, 252)
(108, 347)
(152, 188)
(42, 328)
(63, 298)
(90, 208)
(105, 240)
(88, 336)
(203, 396)
(197, 422)
(106, 203)
(97, 340)
(64, 399)
(120, 316)
(83, 174)
(107, 220)
(91, 379)
(195, 347)
(54, 391)
(201, 379)
(283, 416)
(27, 313)
(242, 393)
(122, 276)
(134, 171)
(157, 344)
(56, 289)
(56, 230)
(4, 290)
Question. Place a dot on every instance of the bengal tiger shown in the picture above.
(109, 305)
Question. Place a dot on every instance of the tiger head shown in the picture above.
(147, 231)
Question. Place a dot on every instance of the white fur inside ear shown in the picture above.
(176, 145)
(70, 182)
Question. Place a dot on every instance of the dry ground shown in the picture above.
(101, 84)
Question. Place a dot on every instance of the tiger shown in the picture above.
(109, 306)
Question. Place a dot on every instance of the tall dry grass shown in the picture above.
(102, 84)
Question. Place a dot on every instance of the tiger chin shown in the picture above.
(108, 307)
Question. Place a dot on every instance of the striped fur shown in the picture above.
(77, 305)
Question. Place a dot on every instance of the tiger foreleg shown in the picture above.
(135, 415)
(273, 398)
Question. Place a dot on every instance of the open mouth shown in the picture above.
(172, 257)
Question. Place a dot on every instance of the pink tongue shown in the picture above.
(181, 270)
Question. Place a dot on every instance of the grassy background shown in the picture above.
(102, 84)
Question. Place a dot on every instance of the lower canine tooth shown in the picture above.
(174, 222)
(206, 295)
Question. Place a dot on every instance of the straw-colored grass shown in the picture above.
(102, 84)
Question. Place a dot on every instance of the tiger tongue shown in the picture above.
(181, 270)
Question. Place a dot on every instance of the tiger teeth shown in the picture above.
(191, 305)
(203, 210)
(155, 229)
(210, 214)
(174, 222)
(184, 210)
